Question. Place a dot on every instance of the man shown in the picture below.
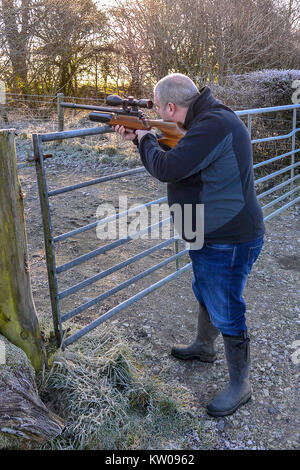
(211, 165)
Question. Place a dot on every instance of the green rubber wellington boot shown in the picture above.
(203, 348)
(238, 392)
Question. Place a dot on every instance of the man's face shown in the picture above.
(163, 112)
(170, 112)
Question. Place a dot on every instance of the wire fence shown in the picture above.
(35, 113)
(38, 112)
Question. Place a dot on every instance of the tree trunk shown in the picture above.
(18, 320)
(24, 419)
(16, 33)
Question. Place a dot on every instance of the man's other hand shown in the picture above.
(127, 134)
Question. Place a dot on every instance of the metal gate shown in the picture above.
(50, 241)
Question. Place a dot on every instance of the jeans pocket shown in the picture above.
(216, 255)
(219, 246)
(253, 254)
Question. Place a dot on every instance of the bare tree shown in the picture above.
(64, 37)
(52, 45)
(16, 18)
(251, 36)
(207, 39)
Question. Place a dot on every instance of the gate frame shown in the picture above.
(50, 240)
(53, 270)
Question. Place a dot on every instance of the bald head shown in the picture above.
(176, 88)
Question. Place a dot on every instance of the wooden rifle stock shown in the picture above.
(172, 131)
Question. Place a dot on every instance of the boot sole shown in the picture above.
(192, 357)
(232, 410)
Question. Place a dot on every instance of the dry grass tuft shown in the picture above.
(110, 402)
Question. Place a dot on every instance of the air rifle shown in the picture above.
(131, 117)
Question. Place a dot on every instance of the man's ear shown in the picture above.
(172, 108)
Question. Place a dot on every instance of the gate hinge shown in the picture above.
(34, 159)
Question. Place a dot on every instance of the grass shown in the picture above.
(90, 152)
(109, 401)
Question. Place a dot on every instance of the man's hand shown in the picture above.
(128, 134)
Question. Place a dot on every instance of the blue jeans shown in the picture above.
(220, 275)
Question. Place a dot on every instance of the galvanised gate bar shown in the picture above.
(50, 241)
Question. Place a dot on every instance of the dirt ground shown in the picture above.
(271, 419)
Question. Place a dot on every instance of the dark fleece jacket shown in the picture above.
(211, 165)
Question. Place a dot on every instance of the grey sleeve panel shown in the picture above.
(215, 154)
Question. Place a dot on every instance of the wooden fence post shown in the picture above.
(18, 320)
(60, 112)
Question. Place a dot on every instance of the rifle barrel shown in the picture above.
(92, 108)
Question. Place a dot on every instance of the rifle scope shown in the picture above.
(130, 102)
